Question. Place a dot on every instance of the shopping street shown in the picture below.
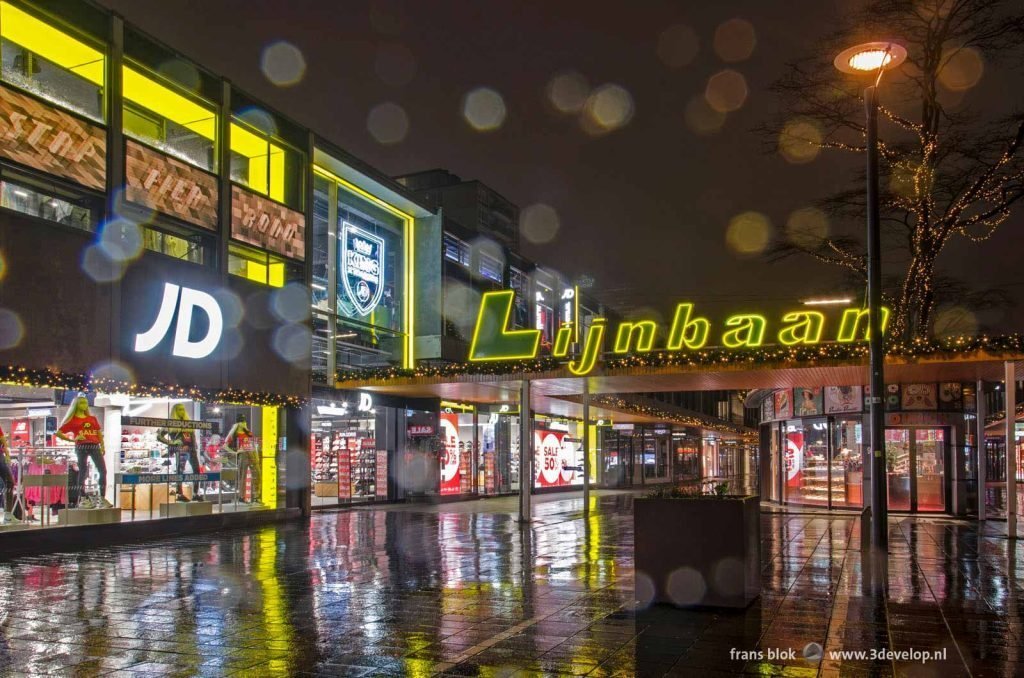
(460, 589)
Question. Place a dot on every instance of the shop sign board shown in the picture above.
(21, 435)
(362, 267)
(52, 141)
(839, 399)
(182, 302)
(158, 478)
(170, 186)
(494, 340)
(266, 224)
(420, 430)
(451, 462)
(187, 424)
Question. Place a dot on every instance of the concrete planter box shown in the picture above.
(699, 551)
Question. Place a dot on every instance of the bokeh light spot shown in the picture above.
(800, 141)
(727, 577)
(395, 65)
(686, 586)
(291, 302)
(726, 91)
(98, 265)
(568, 92)
(121, 240)
(643, 589)
(11, 329)
(484, 109)
(292, 343)
(962, 69)
(955, 321)
(609, 107)
(701, 118)
(388, 123)
(181, 72)
(112, 370)
(231, 307)
(807, 227)
(258, 118)
(283, 63)
(3, 267)
(678, 46)
(539, 223)
(748, 233)
(735, 40)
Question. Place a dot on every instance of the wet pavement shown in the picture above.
(459, 589)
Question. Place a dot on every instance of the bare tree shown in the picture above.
(948, 170)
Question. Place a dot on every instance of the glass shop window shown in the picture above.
(491, 267)
(321, 247)
(51, 63)
(456, 250)
(162, 115)
(266, 165)
(182, 245)
(68, 208)
(261, 267)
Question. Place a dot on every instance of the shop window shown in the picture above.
(456, 250)
(189, 247)
(50, 62)
(266, 165)
(359, 346)
(807, 464)
(491, 267)
(161, 115)
(321, 349)
(261, 267)
(68, 208)
(848, 462)
(321, 247)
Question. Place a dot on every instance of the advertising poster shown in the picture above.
(382, 474)
(489, 485)
(840, 399)
(807, 401)
(783, 404)
(559, 459)
(20, 434)
(919, 397)
(951, 396)
(344, 472)
(794, 458)
(767, 409)
(451, 467)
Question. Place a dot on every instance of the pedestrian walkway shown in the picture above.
(460, 589)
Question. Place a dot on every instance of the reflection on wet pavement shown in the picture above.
(461, 590)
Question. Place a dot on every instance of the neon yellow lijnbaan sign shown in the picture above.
(495, 340)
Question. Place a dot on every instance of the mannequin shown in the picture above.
(242, 444)
(83, 429)
(182, 443)
(7, 480)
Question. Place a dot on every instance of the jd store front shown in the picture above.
(180, 405)
(814, 447)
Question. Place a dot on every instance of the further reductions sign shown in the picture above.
(794, 458)
(451, 467)
(362, 267)
(559, 459)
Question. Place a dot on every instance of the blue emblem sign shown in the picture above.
(362, 267)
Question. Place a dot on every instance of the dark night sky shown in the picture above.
(643, 209)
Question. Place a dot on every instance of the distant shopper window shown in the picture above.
(161, 115)
(187, 247)
(49, 62)
(491, 267)
(261, 267)
(456, 250)
(266, 165)
(76, 211)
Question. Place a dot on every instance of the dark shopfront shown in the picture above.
(814, 448)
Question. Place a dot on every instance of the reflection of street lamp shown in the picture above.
(874, 57)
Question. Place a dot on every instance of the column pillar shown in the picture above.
(586, 444)
(525, 452)
(980, 453)
(1011, 449)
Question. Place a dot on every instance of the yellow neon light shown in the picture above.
(647, 329)
(275, 275)
(807, 329)
(505, 297)
(409, 346)
(268, 460)
(851, 322)
(591, 349)
(563, 338)
(749, 330)
(162, 100)
(465, 407)
(692, 333)
(51, 43)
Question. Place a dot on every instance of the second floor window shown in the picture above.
(456, 250)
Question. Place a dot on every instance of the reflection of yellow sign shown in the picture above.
(495, 340)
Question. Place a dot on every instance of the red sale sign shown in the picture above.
(451, 467)
(557, 459)
(794, 458)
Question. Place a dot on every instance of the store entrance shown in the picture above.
(916, 459)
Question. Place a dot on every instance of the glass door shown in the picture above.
(916, 464)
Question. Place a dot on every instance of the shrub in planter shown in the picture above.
(694, 549)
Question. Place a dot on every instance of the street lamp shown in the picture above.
(874, 57)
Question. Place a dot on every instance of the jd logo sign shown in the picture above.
(184, 346)
(362, 267)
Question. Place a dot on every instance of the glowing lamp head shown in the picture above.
(871, 57)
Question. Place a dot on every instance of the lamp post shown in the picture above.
(874, 58)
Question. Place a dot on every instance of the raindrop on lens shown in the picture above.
(539, 223)
(568, 92)
(11, 329)
(484, 109)
(726, 91)
(291, 302)
(701, 118)
(800, 141)
(643, 590)
(292, 343)
(388, 123)
(962, 69)
(98, 265)
(748, 233)
(283, 63)
(807, 227)
(113, 371)
(609, 107)
(686, 586)
(677, 46)
(735, 40)
(395, 65)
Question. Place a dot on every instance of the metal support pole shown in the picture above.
(879, 509)
(525, 452)
(1011, 449)
(980, 452)
(586, 445)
